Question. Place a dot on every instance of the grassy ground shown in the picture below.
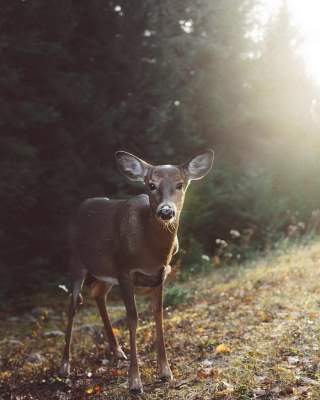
(249, 332)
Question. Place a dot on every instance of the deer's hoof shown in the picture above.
(64, 370)
(135, 386)
(165, 374)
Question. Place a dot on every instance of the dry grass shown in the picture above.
(265, 314)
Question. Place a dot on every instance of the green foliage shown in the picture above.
(192, 258)
(234, 200)
(175, 296)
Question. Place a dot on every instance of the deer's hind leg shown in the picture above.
(100, 292)
(75, 301)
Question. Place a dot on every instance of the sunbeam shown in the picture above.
(305, 17)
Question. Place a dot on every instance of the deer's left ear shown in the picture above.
(199, 166)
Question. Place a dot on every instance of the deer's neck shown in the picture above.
(163, 237)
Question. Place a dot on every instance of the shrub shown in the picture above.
(176, 295)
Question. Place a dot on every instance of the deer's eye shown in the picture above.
(152, 186)
(179, 186)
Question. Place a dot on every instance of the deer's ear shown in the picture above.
(199, 166)
(131, 166)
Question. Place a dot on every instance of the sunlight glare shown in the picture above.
(305, 17)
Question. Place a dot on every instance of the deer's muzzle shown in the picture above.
(166, 212)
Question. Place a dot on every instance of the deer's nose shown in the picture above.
(166, 212)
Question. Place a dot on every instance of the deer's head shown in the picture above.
(166, 184)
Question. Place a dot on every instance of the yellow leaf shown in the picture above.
(116, 331)
(89, 390)
(147, 335)
(222, 348)
(222, 394)
(264, 316)
(5, 374)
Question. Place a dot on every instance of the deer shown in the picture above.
(130, 242)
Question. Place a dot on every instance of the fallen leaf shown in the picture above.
(223, 393)
(223, 349)
(98, 389)
(89, 390)
(116, 331)
(264, 316)
(117, 372)
(204, 373)
(5, 374)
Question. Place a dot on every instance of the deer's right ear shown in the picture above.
(131, 166)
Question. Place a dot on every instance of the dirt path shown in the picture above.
(250, 332)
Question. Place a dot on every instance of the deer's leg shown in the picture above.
(163, 365)
(127, 289)
(75, 300)
(100, 292)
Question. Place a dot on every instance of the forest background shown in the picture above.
(164, 80)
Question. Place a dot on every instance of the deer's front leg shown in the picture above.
(163, 365)
(127, 289)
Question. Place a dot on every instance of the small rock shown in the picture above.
(293, 360)
(35, 358)
(88, 328)
(207, 363)
(53, 333)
